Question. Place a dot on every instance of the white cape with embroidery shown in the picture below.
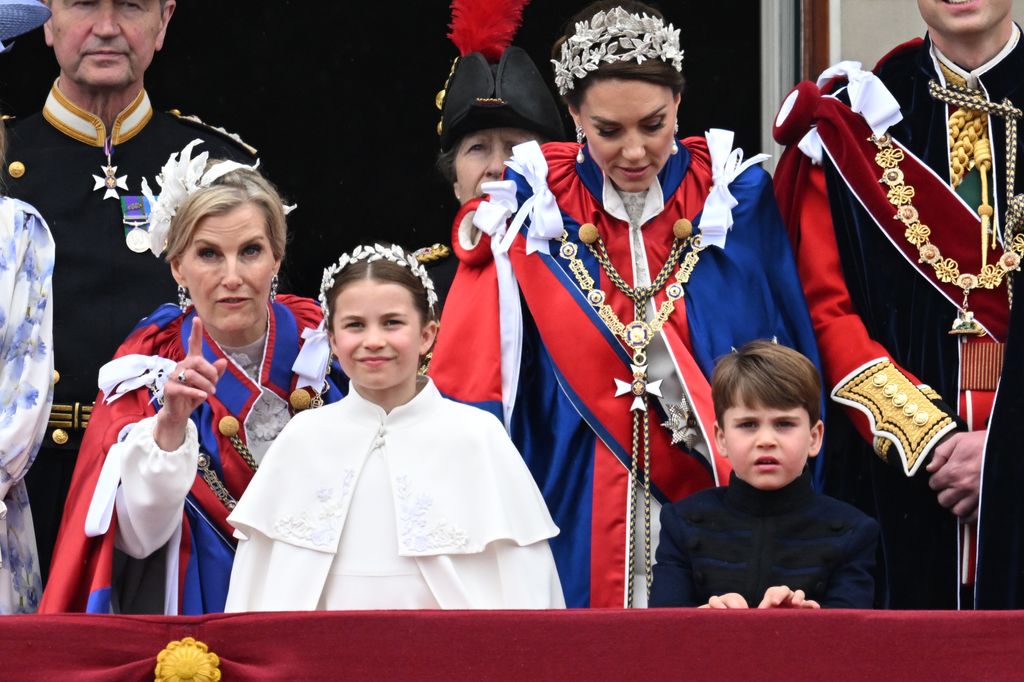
(466, 508)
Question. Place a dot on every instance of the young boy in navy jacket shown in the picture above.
(767, 539)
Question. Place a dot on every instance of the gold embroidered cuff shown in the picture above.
(882, 446)
(900, 413)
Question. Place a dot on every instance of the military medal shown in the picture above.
(110, 181)
(137, 240)
(135, 211)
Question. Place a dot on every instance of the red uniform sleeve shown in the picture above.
(859, 371)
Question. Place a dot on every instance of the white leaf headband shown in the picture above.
(367, 253)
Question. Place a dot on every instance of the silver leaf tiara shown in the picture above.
(368, 253)
(615, 36)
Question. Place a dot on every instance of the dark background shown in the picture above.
(339, 100)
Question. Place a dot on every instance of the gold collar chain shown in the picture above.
(947, 269)
(637, 335)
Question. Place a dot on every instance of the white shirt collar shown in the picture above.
(972, 76)
(612, 201)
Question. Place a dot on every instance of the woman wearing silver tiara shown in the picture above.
(26, 368)
(191, 403)
(601, 280)
(404, 499)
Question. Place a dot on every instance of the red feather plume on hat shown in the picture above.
(485, 26)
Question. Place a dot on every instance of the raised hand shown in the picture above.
(193, 380)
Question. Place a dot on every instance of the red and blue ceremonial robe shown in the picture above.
(82, 569)
(574, 434)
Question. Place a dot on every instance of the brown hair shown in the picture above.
(767, 374)
(228, 192)
(651, 70)
(384, 271)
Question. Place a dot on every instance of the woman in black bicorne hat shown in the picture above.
(494, 98)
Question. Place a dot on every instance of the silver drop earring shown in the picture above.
(675, 137)
(580, 137)
(183, 299)
(273, 288)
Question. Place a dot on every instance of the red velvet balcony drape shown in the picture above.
(594, 645)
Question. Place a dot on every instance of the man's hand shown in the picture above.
(956, 473)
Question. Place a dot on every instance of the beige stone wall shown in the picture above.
(867, 29)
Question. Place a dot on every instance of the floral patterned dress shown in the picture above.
(26, 390)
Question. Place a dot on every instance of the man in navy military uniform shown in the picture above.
(81, 161)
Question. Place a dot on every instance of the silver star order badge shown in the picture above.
(638, 387)
(110, 181)
(680, 424)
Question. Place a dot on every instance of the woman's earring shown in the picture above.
(183, 299)
(273, 287)
(675, 136)
(580, 138)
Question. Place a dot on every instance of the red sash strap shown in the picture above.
(954, 226)
(609, 530)
(567, 326)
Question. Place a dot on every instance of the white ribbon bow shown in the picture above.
(541, 208)
(128, 372)
(492, 214)
(727, 164)
(492, 217)
(313, 360)
(868, 95)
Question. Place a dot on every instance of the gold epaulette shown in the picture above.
(432, 253)
(199, 123)
(902, 415)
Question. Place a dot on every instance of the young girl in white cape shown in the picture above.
(394, 497)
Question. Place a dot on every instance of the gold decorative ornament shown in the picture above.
(442, 94)
(682, 229)
(636, 336)
(918, 234)
(56, 377)
(588, 233)
(16, 169)
(59, 436)
(228, 426)
(432, 253)
(187, 659)
(300, 400)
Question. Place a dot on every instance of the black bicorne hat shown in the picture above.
(509, 94)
